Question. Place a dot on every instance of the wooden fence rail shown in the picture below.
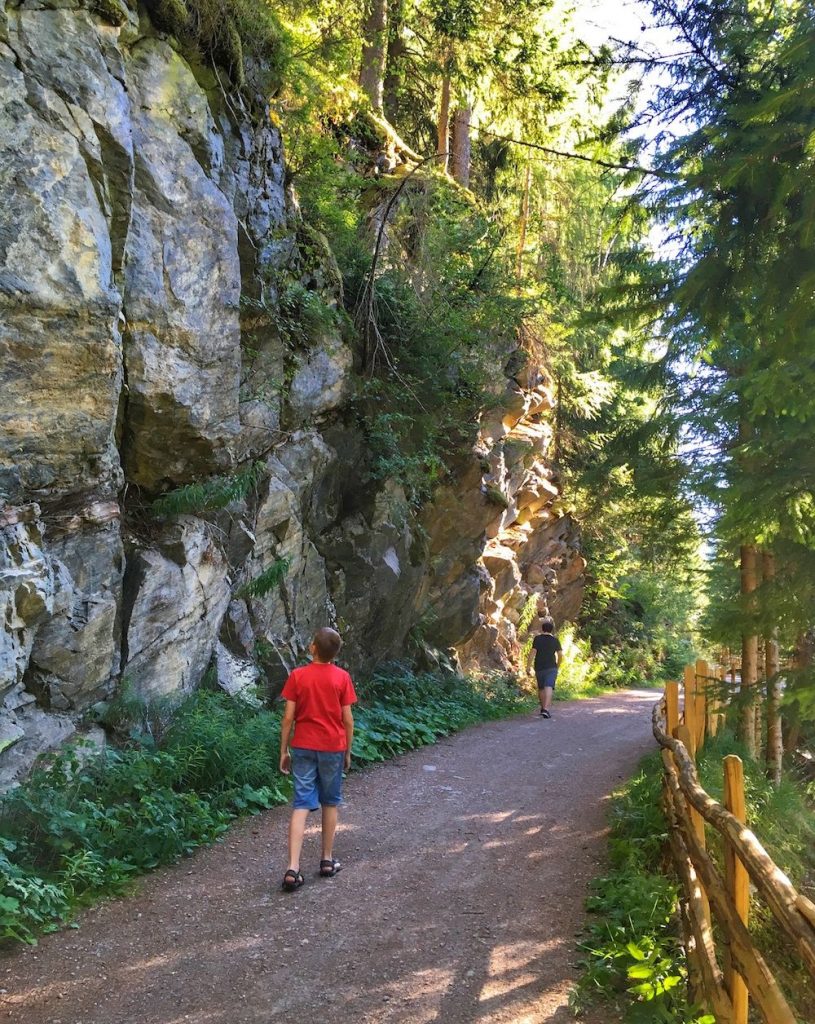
(725, 969)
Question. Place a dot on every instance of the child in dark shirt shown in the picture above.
(548, 656)
(318, 707)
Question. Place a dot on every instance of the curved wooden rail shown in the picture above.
(775, 888)
(687, 806)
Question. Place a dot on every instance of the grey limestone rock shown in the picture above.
(177, 596)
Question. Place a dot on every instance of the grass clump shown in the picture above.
(86, 822)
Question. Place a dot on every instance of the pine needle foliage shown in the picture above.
(209, 495)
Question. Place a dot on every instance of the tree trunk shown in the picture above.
(374, 52)
(461, 145)
(761, 681)
(801, 662)
(443, 124)
(522, 226)
(393, 61)
(772, 668)
(749, 652)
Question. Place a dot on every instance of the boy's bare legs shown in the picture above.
(546, 697)
(330, 815)
(297, 828)
(542, 697)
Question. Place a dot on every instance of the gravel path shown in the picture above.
(465, 870)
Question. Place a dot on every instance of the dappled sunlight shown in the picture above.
(620, 709)
(110, 978)
(496, 818)
(440, 914)
(199, 1017)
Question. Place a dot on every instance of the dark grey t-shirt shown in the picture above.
(545, 646)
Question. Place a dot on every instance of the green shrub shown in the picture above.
(581, 673)
(227, 32)
(267, 581)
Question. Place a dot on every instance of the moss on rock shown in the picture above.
(234, 35)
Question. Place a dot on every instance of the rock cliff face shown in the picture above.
(144, 232)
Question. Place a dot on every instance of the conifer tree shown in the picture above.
(737, 300)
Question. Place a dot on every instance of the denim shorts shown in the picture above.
(317, 778)
(546, 677)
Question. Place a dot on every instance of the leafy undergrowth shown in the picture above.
(86, 823)
(634, 959)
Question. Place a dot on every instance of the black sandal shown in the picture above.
(329, 868)
(292, 880)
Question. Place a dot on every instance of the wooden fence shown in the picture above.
(726, 971)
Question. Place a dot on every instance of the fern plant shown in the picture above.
(270, 578)
(209, 495)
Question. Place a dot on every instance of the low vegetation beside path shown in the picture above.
(86, 823)
(634, 960)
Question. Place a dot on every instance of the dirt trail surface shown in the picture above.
(465, 868)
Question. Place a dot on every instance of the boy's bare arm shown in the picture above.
(348, 724)
(285, 734)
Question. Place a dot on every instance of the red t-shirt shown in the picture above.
(319, 692)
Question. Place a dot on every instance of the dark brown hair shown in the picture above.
(328, 643)
(547, 625)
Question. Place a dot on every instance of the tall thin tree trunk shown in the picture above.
(374, 52)
(775, 741)
(461, 145)
(443, 123)
(761, 681)
(801, 662)
(393, 60)
(749, 652)
(522, 225)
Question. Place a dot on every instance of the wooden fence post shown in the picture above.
(738, 884)
(671, 707)
(702, 673)
(683, 734)
(713, 701)
(690, 709)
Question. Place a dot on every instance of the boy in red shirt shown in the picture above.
(318, 705)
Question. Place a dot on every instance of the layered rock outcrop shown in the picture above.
(146, 236)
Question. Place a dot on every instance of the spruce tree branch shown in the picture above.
(566, 155)
(680, 22)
